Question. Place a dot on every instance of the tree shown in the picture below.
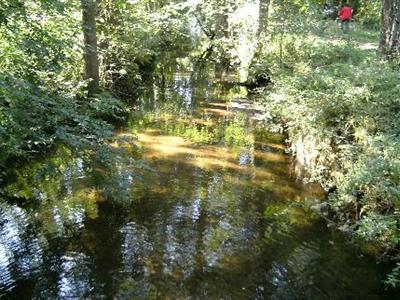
(389, 45)
(263, 16)
(89, 12)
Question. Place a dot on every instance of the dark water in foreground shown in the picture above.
(213, 211)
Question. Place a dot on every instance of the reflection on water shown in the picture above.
(73, 280)
(213, 213)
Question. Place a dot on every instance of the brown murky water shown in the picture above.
(208, 209)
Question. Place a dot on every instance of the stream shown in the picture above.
(207, 206)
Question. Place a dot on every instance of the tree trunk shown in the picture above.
(389, 44)
(263, 7)
(263, 14)
(89, 12)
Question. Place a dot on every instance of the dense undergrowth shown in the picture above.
(332, 89)
(42, 95)
(43, 98)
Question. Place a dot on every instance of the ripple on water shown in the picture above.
(6, 279)
(13, 247)
(74, 279)
(135, 247)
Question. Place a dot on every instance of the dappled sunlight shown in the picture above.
(178, 149)
(216, 111)
(270, 156)
(369, 46)
(169, 150)
(275, 146)
(221, 105)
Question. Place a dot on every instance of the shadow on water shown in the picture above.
(212, 212)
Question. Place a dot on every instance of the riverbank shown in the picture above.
(339, 104)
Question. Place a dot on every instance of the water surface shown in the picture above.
(206, 206)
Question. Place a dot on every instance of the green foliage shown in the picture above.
(32, 119)
(369, 12)
(134, 36)
(325, 87)
(42, 96)
(393, 279)
(200, 134)
(335, 92)
(228, 32)
(236, 134)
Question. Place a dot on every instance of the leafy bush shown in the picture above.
(331, 91)
(369, 12)
(42, 96)
(32, 119)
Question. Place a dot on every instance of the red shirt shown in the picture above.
(346, 13)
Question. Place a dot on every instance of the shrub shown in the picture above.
(347, 101)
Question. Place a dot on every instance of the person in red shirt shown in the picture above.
(345, 15)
